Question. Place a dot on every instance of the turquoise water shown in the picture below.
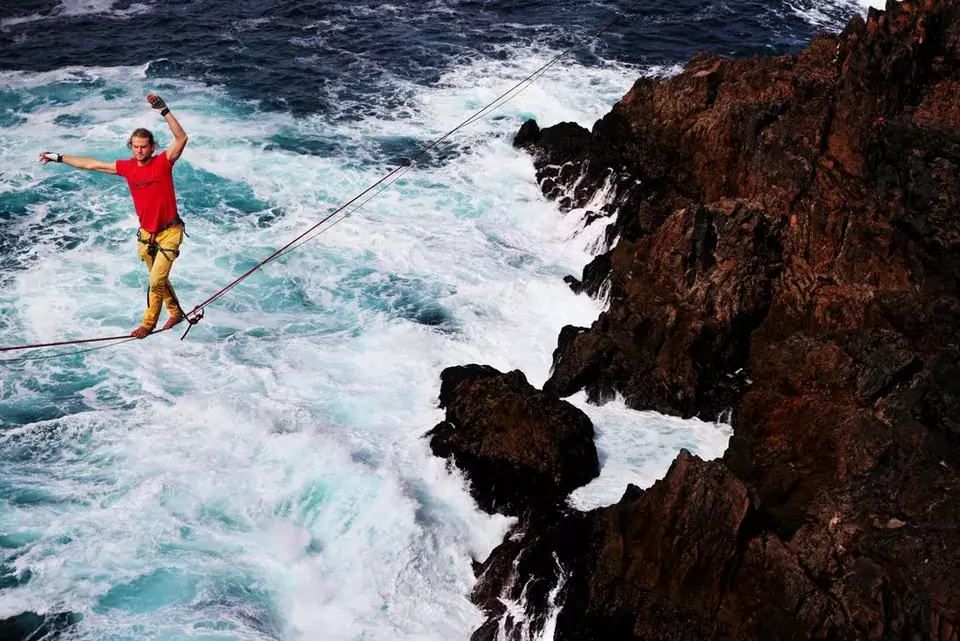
(267, 477)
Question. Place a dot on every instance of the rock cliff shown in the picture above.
(783, 242)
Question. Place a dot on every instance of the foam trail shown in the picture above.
(832, 15)
(638, 447)
(76, 8)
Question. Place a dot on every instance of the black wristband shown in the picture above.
(59, 157)
(165, 111)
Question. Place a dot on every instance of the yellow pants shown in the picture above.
(161, 291)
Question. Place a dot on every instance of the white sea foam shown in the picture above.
(638, 447)
(73, 8)
(831, 15)
(268, 475)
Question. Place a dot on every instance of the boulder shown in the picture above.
(522, 449)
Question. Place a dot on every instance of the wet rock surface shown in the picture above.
(521, 448)
(784, 244)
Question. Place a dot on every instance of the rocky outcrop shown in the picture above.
(783, 243)
(794, 192)
(521, 449)
(699, 555)
(610, 563)
(686, 301)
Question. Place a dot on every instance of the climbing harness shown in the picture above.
(153, 247)
(151, 240)
(196, 314)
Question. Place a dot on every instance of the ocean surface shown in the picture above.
(266, 478)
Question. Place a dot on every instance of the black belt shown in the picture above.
(170, 223)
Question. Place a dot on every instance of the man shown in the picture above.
(150, 179)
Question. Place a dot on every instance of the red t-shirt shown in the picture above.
(152, 189)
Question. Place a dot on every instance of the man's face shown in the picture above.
(142, 149)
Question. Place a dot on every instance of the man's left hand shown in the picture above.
(157, 103)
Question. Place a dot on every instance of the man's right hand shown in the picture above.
(49, 156)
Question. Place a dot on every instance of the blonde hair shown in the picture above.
(141, 133)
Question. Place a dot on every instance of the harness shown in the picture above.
(151, 242)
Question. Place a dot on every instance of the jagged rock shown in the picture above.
(559, 149)
(692, 294)
(521, 448)
(785, 243)
(666, 563)
(528, 136)
(695, 557)
(594, 276)
(849, 165)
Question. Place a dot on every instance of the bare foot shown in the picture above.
(173, 320)
(141, 332)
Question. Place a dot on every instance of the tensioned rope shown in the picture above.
(196, 314)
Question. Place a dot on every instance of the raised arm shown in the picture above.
(80, 162)
(180, 137)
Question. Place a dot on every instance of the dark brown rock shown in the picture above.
(521, 448)
(692, 294)
(528, 136)
(678, 561)
(845, 159)
(786, 244)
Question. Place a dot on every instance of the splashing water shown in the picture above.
(267, 478)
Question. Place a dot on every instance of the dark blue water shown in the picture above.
(298, 55)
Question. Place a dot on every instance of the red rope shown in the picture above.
(61, 343)
(79, 341)
(194, 315)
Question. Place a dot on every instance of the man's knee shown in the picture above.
(158, 283)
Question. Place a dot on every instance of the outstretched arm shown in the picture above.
(80, 162)
(179, 135)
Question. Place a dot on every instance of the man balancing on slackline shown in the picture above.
(150, 179)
